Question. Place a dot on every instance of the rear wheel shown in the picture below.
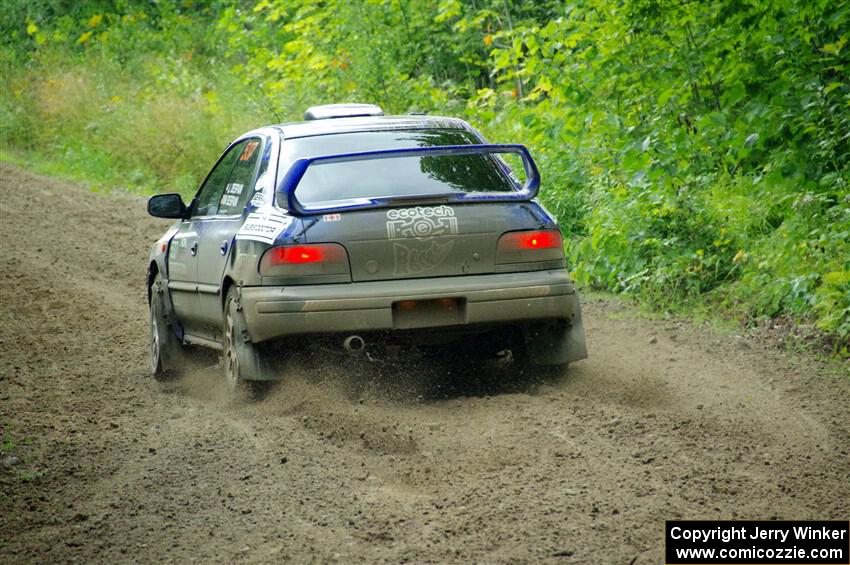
(168, 355)
(245, 369)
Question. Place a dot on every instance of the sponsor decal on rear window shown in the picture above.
(259, 188)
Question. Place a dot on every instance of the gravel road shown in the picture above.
(101, 463)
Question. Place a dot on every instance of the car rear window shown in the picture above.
(326, 183)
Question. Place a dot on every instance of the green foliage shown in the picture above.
(133, 99)
(696, 152)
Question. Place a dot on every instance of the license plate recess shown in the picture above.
(408, 314)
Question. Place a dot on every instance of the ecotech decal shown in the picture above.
(421, 222)
(417, 225)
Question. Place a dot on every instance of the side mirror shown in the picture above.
(166, 206)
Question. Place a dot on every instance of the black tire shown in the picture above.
(533, 356)
(168, 356)
(245, 368)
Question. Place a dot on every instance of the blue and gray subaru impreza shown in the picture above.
(355, 228)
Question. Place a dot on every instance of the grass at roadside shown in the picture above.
(96, 178)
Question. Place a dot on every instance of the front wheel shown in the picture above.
(245, 369)
(168, 356)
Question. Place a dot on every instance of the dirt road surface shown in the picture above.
(101, 463)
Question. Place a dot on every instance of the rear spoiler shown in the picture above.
(296, 172)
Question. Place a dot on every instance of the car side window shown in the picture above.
(239, 186)
(264, 179)
(208, 198)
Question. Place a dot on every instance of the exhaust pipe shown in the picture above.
(354, 344)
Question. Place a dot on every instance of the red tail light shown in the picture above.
(530, 240)
(529, 250)
(329, 261)
(300, 254)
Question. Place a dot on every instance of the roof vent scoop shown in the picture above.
(328, 111)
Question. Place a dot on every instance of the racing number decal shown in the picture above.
(249, 150)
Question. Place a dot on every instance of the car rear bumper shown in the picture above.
(274, 311)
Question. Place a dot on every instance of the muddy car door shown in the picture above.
(184, 257)
(217, 233)
(182, 270)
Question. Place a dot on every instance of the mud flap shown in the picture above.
(557, 342)
(252, 357)
(161, 291)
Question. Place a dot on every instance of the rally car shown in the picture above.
(355, 227)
